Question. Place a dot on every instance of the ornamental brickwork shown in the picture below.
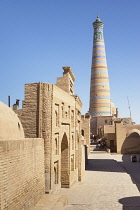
(53, 112)
(100, 104)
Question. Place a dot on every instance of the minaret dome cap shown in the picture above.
(98, 19)
(98, 22)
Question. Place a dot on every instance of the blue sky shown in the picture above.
(38, 37)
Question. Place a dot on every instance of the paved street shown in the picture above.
(111, 182)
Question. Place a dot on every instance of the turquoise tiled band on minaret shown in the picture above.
(100, 104)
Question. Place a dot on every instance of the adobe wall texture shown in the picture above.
(109, 134)
(64, 131)
(85, 126)
(66, 82)
(97, 123)
(83, 161)
(10, 125)
(127, 138)
(120, 135)
(22, 173)
(53, 112)
(54, 115)
(109, 129)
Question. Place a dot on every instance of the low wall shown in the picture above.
(108, 150)
(22, 173)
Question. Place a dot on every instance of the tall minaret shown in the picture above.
(100, 104)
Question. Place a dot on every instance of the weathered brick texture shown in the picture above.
(53, 113)
(22, 173)
(85, 125)
(66, 82)
(30, 107)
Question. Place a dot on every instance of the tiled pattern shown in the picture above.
(99, 86)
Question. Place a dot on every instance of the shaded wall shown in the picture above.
(131, 144)
(22, 173)
(85, 126)
(127, 138)
(109, 134)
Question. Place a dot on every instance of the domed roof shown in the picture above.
(10, 125)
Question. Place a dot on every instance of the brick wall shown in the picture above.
(120, 135)
(128, 138)
(65, 105)
(22, 173)
(109, 134)
(63, 83)
(85, 126)
(46, 130)
(30, 108)
(50, 112)
(100, 121)
(66, 82)
(83, 159)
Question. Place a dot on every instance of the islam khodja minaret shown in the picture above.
(100, 104)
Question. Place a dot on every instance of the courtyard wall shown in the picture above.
(22, 173)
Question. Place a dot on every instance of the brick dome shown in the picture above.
(10, 125)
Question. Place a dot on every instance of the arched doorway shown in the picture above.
(131, 143)
(64, 162)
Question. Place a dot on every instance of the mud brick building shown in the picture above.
(53, 112)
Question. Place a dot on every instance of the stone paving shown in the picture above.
(111, 182)
(50, 202)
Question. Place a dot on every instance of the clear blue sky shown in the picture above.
(38, 37)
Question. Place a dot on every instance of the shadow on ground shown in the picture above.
(122, 164)
(132, 168)
(130, 203)
(111, 165)
(108, 165)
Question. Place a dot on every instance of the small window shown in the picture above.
(82, 132)
(105, 121)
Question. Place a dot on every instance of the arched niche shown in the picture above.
(64, 162)
(131, 143)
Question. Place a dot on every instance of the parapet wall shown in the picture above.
(22, 173)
